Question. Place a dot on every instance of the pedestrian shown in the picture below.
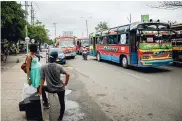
(6, 53)
(38, 54)
(51, 73)
(33, 67)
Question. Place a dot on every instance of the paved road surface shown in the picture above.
(131, 94)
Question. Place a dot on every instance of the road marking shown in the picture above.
(136, 76)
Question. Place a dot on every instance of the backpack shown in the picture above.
(24, 65)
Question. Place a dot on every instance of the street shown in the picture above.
(125, 94)
(103, 91)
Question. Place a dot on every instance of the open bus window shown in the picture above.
(113, 39)
(105, 40)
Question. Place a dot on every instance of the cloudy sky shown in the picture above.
(68, 15)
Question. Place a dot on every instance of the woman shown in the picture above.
(33, 67)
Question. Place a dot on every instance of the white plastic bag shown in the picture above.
(29, 90)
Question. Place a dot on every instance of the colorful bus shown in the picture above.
(83, 41)
(177, 43)
(67, 45)
(140, 44)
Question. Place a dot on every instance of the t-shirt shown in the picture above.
(51, 72)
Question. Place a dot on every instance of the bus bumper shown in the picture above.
(155, 63)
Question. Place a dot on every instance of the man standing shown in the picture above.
(51, 73)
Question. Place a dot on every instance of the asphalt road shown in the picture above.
(119, 94)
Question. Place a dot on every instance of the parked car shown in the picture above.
(61, 57)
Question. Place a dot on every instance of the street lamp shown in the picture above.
(86, 25)
(33, 41)
(27, 39)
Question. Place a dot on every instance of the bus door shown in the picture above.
(94, 45)
(92, 49)
(133, 48)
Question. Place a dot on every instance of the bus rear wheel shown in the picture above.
(124, 62)
(98, 57)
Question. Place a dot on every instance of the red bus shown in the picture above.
(138, 44)
(67, 45)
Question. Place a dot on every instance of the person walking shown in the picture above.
(6, 53)
(33, 67)
(38, 54)
(51, 73)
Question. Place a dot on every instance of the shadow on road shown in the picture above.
(142, 70)
(178, 65)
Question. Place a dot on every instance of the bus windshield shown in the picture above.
(85, 42)
(66, 44)
(154, 33)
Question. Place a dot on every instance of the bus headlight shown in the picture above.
(145, 57)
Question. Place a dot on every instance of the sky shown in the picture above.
(72, 16)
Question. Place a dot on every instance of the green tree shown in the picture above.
(38, 32)
(171, 5)
(101, 26)
(12, 21)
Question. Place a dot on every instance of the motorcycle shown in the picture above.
(84, 55)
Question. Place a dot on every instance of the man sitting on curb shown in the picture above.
(51, 73)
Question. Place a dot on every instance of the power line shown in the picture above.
(37, 6)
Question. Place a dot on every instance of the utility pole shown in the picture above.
(86, 21)
(31, 13)
(55, 29)
(26, 15)
(87, 27)
(129, 19)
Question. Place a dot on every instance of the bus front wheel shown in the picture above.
(124, 62)
(98, 57)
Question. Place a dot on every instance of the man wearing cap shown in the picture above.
(51, 73)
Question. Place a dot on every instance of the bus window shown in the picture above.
(112, 39)
(100, 40)
(104, 40)
(123, 39)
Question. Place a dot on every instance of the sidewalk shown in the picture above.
(12, 81)
(12, 61)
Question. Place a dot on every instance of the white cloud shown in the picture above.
(68, 15)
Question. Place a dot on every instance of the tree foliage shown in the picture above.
(171, 5)
(12, 21)
(101, 26)
(38, 32)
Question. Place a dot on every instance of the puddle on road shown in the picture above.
(72, 111)
(67, 92)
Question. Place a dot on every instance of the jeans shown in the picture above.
(61, 96)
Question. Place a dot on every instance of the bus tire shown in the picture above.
(124, 62)
(98, 57)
